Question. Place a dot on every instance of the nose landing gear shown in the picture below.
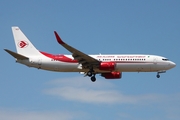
(158, 73)
(158, 76)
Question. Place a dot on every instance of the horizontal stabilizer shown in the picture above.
(16, 55)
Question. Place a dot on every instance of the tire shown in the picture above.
(158, 76)
(89, 73)
(93, 79)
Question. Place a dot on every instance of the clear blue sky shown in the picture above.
(94, 26)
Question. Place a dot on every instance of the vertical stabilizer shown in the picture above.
(23, 45)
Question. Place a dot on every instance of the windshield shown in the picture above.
(165, 59)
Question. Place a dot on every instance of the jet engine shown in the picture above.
(107, 66)
(112, 75)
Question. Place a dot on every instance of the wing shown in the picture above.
(84, 59)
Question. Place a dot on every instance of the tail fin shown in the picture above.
(23, 45)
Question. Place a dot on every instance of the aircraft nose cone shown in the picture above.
(172, 64)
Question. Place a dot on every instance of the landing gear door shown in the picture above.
(155, 64)
(155, 60)
(39, 62)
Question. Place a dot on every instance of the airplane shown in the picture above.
(109, 66)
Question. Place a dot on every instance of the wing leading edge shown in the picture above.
(84, 59)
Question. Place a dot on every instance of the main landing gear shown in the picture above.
(93, 78)
(158, 73)
(91, 74)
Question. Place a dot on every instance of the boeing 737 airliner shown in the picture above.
(108, 66)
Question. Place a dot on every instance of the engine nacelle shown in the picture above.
(107, 66)
(112, 75)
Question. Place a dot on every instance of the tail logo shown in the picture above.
(23, 44)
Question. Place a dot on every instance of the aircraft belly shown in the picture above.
(60, 67)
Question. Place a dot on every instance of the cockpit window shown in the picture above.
(165, 59)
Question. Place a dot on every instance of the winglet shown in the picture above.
(58, 38)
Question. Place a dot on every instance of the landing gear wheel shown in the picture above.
(89, 73)
(93, 78)
(158, 76)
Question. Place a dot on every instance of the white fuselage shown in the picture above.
(108, 66)
(124, 63)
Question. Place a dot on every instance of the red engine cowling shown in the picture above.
(112, 75)
(107, 66)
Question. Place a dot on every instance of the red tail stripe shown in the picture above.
(61, 58)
